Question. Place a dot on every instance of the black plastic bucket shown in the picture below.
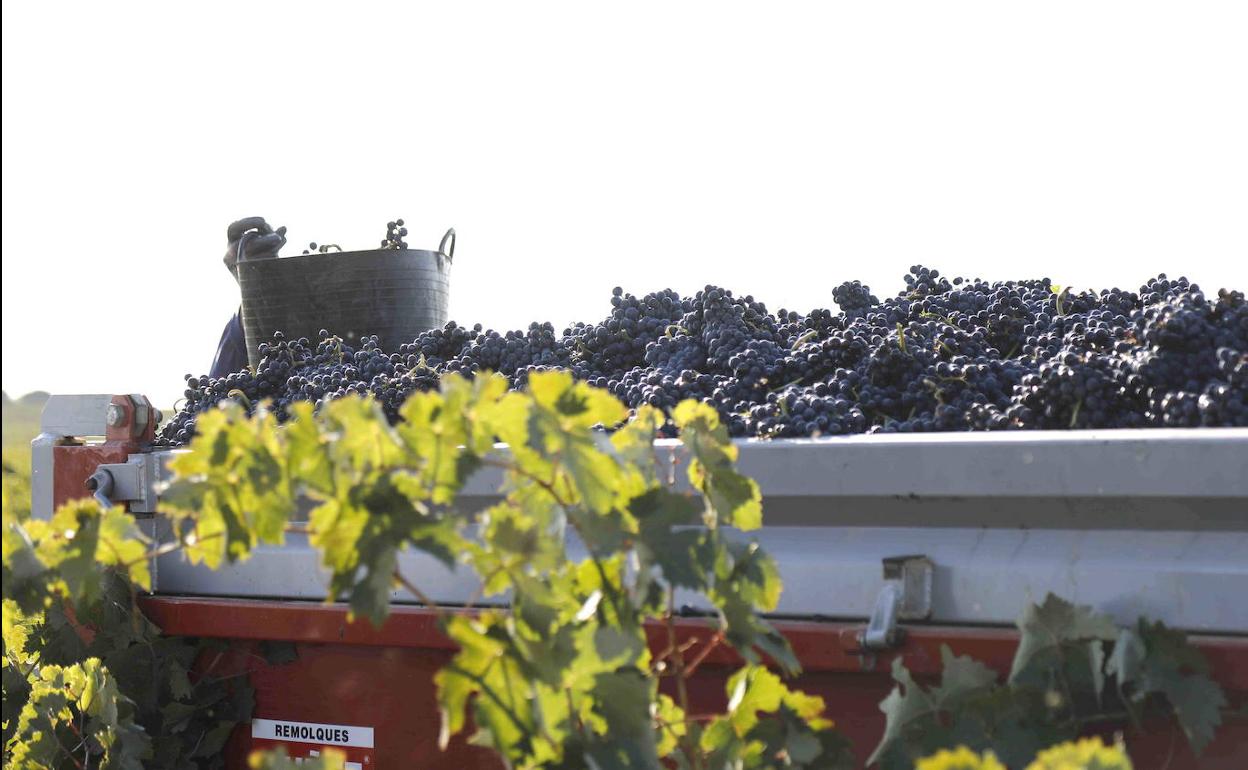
(393, 293)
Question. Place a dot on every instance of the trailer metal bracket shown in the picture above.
(906, 595)
(130, 482)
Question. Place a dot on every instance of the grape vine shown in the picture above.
(88, 680)
(1073, 669)
(574, 638)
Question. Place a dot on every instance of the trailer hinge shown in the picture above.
(906, 595)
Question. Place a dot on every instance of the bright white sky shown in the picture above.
(776, 149)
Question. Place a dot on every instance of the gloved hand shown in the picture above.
(261, 242)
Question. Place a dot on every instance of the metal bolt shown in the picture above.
(116, 416)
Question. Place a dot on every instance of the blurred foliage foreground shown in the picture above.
(565, 677)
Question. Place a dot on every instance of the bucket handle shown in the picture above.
(240, 251)
(449, 251)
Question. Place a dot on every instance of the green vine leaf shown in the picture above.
(1153, 659)
(277, 759)
(50, 717)
(669, 540)
(622, 699)
(565, 410)
(1057, 631)
(910, 708)
(307, 460)
(732, 499)
(961, 675)
(769, 725)
(750, 690)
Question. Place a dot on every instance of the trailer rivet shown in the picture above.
(115, 416)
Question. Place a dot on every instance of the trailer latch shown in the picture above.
(129, 482)
(100, 484)
(906, 595)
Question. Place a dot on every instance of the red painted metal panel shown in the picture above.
(75, 464)
(389, 689)
(352, 673)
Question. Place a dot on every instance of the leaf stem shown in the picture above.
(711, 644)
(480, 589)
(682, 692)
(574, 717)
(419, 594)
(60, 745)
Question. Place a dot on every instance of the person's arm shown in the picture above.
(249, 238)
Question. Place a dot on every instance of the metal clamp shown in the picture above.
(906, 595)
(131, 482)
(101, 485)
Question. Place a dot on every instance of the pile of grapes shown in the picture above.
(943, 355)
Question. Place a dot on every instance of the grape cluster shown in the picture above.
(322, 249)
(395, 233)
(943, 355)
(853, 298)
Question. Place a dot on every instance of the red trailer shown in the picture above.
(888, 545)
